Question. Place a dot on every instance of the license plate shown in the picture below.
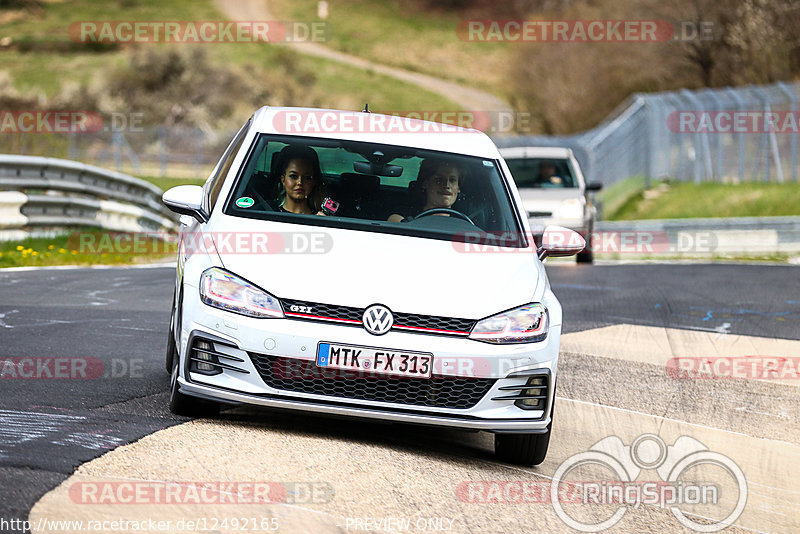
(375, 360)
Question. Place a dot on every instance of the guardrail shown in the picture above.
(38, 193)
(744, 236)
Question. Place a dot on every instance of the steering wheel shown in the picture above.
(448, 211)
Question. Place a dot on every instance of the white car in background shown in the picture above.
(445, 318)
(554, 190)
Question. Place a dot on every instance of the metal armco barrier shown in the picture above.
(745, 236)
(37, 192)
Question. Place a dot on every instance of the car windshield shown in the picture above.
(375, 187)
(542, 172)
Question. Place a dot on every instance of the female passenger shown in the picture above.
(301, 180)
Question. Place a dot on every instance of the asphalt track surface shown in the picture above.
(115, 319)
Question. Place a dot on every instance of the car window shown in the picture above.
(378, 188)
(544, 173)
(214, 185)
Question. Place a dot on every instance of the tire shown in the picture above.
(181, 404)
(186, 405)
(587, 256)
(522, 449)
(172, 348)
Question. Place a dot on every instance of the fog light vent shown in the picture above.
(532, 395)
(201, 353)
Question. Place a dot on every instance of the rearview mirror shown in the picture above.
(378, 169)
(558, 241)
(186, 200)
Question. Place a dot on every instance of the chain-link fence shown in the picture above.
(725, 135)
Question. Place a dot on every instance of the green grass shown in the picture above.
(614, 197)
(684, 200)
(84, 247)
(43, 60)
(429, 40)
(165, 183)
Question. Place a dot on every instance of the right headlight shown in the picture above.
(525, 324)
(226, 291)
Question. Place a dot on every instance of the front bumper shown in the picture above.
(489, 425)
(509, 367)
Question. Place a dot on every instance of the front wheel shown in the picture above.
(186, 405)
(522, 449)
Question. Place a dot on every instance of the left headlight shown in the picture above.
(525, 324)
(228, 292)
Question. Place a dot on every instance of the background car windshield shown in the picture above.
(542, 172)
(373, 182)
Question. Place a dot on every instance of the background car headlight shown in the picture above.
(525, 324)
(226, 291)
(571, 208)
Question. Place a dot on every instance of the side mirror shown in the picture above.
(558, 241)
(186, 200)
(593, 187)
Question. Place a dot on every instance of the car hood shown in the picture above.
(359, 268)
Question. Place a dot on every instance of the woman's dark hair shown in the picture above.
(292, 152)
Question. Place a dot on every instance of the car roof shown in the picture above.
(374, 128)
(518, 152)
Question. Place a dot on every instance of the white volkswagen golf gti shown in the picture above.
(363, 265)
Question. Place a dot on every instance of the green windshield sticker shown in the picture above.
(245, 202)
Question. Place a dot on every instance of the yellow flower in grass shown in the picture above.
(50, 247)
(20, 247)
(62, 251)
(34, 253)
(74, 252)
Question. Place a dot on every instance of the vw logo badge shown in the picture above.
(377, 319)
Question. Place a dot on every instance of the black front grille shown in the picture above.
(411, 320)
(315, 311)
(303, 376)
